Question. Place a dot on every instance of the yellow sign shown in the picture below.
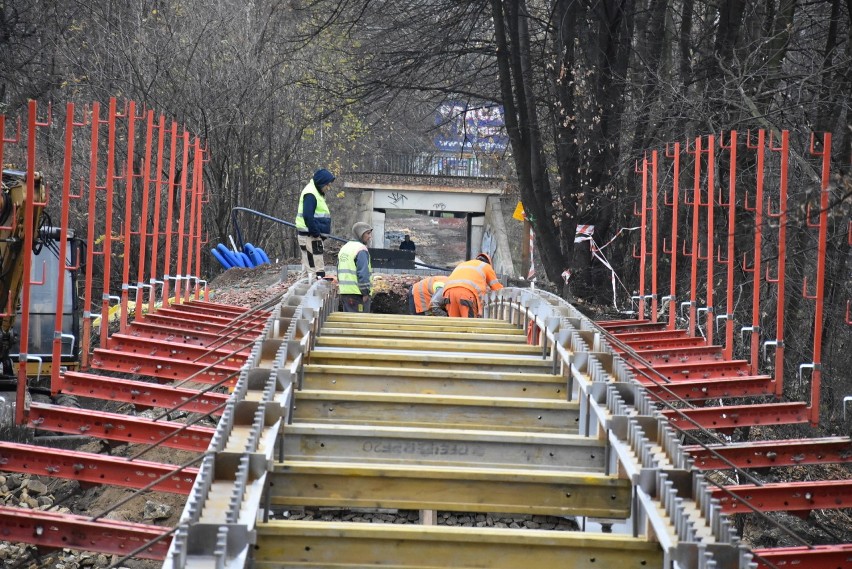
(519, 212)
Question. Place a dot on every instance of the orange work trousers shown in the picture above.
(461, 302)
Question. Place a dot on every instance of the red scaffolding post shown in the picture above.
(779, 279)
(181, 234)
(63, 265)
(711, 228)
(643, 240)
(819, 296)
(155, 223)
(758, 241)
(694, 253)
(86, 335)
(170, 189)
(128, 212)
(200, 240)
(731, 147)
(672, 297)
(654, 236)
(143, 220)
(107, 248)
(31, 202)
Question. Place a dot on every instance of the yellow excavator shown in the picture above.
(46, 272)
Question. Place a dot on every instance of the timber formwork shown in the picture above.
(529, 411)
(534, 410)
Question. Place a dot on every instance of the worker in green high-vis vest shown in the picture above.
(354, 270)
(313, 223)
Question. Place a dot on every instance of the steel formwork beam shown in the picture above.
(654, 335)
(158, 332)
(677, 354)
(346, 544)
(816, 557)
(420, 487)
(192, 316)
(701, 389)
(764, 454)
(637, 326)
(94, 468)
(66, 531)
(786, 496)
(665, 343)
(225, 310)
(164, 368)
(149, 347)
(701, 369)
(732, 416)
(181, 324)
(115, 427)
(142, 393)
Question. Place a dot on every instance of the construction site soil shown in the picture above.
(250, 287)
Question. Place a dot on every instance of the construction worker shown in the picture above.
(465, 289)
(313, 223)
(420, 294)
(407, 244)
(354, 270)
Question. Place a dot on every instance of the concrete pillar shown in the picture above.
(378, 224)
(477, 229)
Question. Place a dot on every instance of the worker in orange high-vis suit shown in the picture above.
(420, 294)
(466, 287)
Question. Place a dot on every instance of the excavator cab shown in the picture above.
(46, 272)
(43, 303)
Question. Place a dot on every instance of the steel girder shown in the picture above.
(52, 529)
(95, 468)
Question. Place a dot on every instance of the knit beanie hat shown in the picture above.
(360, 228)
(323, 177)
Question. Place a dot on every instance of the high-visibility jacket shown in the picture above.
(422, 292)
(354, 268)
(322, 215)
(476, 276)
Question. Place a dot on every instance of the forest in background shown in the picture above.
(277, 88)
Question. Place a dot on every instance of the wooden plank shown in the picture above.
(423, 410)
(408, 487)
(448, 382)
(447, 447)
(301, 544)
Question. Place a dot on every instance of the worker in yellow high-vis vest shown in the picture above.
(354, 270)
(313, 223)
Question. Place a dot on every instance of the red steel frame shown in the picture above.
(711, 203)
(779, 279)
(693, 254)
(673, 250)
(819, 296)
(186, 358)
(654, 236)
(760, 148)
(729, 260)
(643, 239)
(55, 377)
(29, 208)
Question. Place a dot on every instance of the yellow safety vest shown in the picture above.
(321, 211)
(347, 270)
